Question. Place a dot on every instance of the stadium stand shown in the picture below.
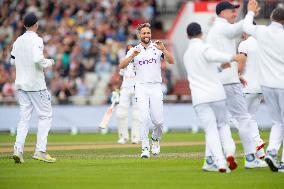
(85, 38)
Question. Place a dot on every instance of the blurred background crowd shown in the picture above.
(86, 39)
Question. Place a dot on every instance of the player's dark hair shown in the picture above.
(193, 29)
(278, 14)
(144, 25)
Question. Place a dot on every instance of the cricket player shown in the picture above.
(126, 98)
(208, 97)
(146, 59)
(271, 68)
(222, 36)
(27, 56)
(249, 71)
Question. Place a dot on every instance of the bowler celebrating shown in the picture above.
(146, 58)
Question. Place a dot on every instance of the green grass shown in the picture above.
(122, 168)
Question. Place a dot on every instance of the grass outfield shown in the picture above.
(120, 167)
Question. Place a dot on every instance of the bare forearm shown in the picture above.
(241, 66)
(124, 63)
(169, 58)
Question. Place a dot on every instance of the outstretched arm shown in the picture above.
(248, 26)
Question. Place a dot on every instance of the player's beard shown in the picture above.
(146, 41)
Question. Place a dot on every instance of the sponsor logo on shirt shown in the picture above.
(149, 61)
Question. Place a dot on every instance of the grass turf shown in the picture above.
(122, 168)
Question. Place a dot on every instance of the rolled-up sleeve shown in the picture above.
(242, 48)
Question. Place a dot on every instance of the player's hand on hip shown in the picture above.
(159, 45)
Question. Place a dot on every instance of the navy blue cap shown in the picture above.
(29, 20)
(225, 5)
(193, 29)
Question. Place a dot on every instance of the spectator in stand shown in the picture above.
(75, 33)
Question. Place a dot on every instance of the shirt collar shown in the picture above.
(220, 19)
(150, 46)
(195, 40)
(276, 25)
(31, 32)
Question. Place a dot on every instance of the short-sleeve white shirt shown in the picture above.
(147, 64)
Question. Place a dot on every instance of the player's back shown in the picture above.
(271, 52)
(26, 50)
(204, 82)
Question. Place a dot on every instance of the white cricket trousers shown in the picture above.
(274, 99)
(125, 99)
(41, 102)
(213, 118)
(253, 101)
(238, 108)
(149, 98)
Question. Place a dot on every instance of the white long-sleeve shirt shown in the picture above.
(222, 36)
(251, 71)
(27, 55)
(204, 82)
(270, 41)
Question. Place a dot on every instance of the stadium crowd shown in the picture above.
(85, 38)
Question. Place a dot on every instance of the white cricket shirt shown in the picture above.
(222, 36)
(251, 71)
(147, 64)
(128, 76)
(29, 61)
(204, 82)
(270, 41)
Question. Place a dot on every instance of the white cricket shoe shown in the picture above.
(271, 162)
(18, 156)
(122, 141)
(222, 166)
(281, 167)
(256, 163)
(145, 153)
(209, 166)
(43, 156)
(155, 147)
